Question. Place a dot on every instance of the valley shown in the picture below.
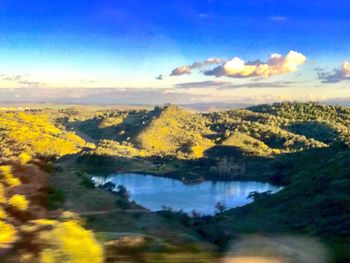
(302, 147)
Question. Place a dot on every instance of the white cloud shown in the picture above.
(337, 75)
(276, 65)
(21, 80)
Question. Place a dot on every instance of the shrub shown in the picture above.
(69, 242)
(7, 234)
(18, 202)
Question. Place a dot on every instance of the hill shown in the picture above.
(36, 135)
(173, 131)
(302, 146)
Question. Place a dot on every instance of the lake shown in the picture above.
(154, 193)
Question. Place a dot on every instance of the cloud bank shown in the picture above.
(238, 68)
(149, 96)
(230, 85)
(337, 75)
(196, 65)
(21, 80)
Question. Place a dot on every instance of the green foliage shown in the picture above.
(86, 182)
(315, 202)
(312, 129)
(55, 198)
(98, 164)
(336, 118)
(304, 146)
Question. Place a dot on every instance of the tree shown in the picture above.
(220, 207)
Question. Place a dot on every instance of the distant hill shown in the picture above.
(262, 130)
(173, 131)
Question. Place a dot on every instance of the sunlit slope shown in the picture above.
(282, 127)
(35, 134)
(321, 122)
(174, 131)
(247, 144)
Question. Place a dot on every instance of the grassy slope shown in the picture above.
(35, 134)
(175, 132)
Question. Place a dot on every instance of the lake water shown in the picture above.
(154, 192)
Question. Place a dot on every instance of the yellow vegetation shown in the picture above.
(34, 134)
(24, 158)
(55, 241)
(2, 194)
(247, 144)
(3, 214)
(114, 148)
(7, 177)
(69, 242)
(7, 234)
(175, 132)
(19, 202)
(111, 121)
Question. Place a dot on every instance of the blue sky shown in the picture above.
(126, 44)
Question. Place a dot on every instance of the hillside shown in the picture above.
(175, 132)
(171, 131)
(302, 146)
(36, 135)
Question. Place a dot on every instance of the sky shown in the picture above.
(178, 51)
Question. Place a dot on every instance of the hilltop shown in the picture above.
(176, 132)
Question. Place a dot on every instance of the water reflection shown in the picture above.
(155, 192)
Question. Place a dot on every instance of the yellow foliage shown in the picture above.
(3, 214)
(69, 242)
(111, 121)
(114, 148)
(24, 158)
(175, 132)
(198, 150)
(12, 181)
(7, 177)
(7, 234)
(2, 194)
(19, 202)
(35, 134)
(44, 221)
(247, 144)
(5, 170)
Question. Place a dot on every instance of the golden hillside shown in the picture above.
(35, 134)
(175, 132)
